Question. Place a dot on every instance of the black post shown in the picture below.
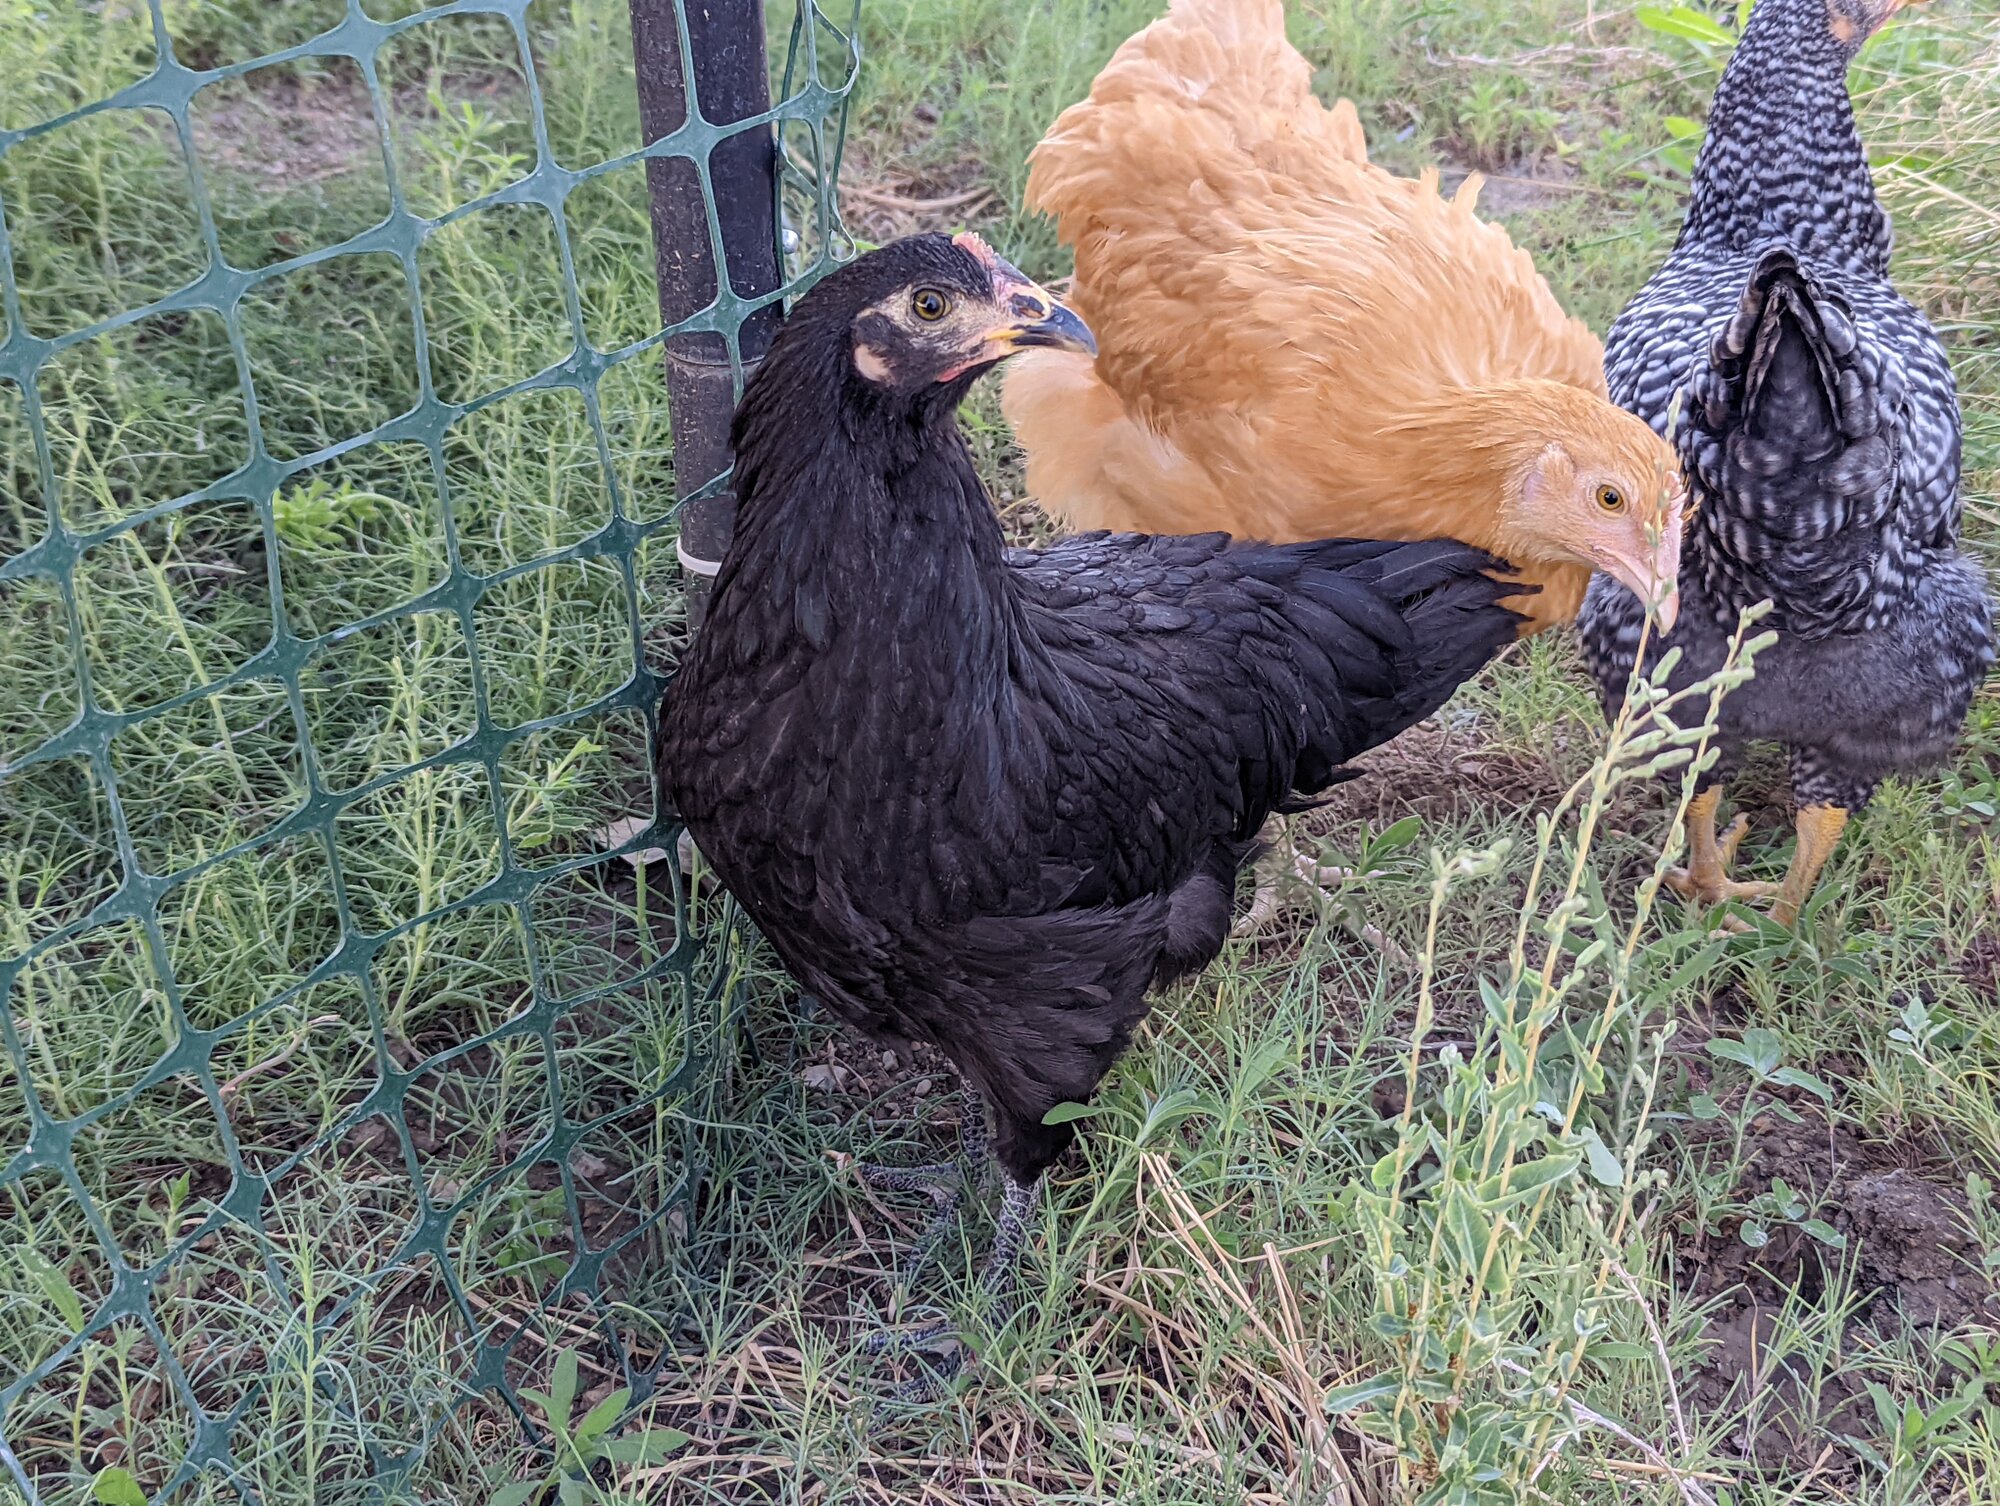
(731, 84)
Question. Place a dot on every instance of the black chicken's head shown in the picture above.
(932, 312)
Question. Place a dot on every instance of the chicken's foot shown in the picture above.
(1286, 868)
(943, 1182)
(1706, 878)
(997, 1278)
(1819, 829)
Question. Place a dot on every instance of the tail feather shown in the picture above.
(1448, 598)
(1787, 420)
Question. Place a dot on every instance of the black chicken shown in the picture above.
(1819, 430)
(986, 798)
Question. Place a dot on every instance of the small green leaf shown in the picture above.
(649, 1447)
(1067, 1113)
(1704, 1107)
(1529, 1180)
(1683, 129)
(54, 1282)
(1866, 1451)
(1948, 1411)
(1792, 1077)
(515, 1495)
(1724, 1049)
(1684, 22)
(1400, 835)
(1618, 1349)
(1344, 1399)
(597, 1422)
(1760, 1050)
(1391, 1326)
(562, 1387)
(116, 1487)
(1824, 1232)
(1464, 1218)
(1754, 1234)
(1604, 1166)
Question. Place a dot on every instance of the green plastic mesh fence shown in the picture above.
(348, 1063)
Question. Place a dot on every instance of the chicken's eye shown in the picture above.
(930, 305)
(1610, 499)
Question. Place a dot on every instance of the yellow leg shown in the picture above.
(1706, 877)
(1819, 829)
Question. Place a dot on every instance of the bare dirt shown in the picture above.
(1517, 187)
(1980, 966)
(290, 129)
(1442, 772)
(1915, 1268)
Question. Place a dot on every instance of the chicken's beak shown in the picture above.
(1034, 318)
(1656, 577)
(1670, 609)
(1040, 321)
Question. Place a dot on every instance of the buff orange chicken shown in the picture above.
(1294, 343)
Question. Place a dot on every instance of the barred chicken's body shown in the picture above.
(1817, 421)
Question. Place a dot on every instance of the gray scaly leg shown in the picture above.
(943, 1182)
(996, 1278)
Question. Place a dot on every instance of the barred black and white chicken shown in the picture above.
(1818, 426)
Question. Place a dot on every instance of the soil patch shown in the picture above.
(1915, 1266)
(1442, 771)
(1980, 966)
(888, 190)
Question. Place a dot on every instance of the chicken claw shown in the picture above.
(1286, 868)
(1275, 875)
(1706, 879)
(943, 1182)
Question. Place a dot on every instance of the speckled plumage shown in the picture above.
(1818, 425)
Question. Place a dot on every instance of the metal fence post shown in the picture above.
(726, 39)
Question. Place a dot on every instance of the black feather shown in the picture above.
(987, 799)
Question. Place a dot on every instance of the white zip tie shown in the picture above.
(693, 566)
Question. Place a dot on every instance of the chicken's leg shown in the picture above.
(997, 1277)
(1819, 828)
(943, 1182)
(1706, 878)
(1285, 868)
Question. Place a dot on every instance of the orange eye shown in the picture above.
(1610, 499)
(930, 305)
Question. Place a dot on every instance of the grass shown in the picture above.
(1767, 1264)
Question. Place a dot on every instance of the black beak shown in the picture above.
(1034, 318)
(1052, 326)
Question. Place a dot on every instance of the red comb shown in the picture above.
(971, 242)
